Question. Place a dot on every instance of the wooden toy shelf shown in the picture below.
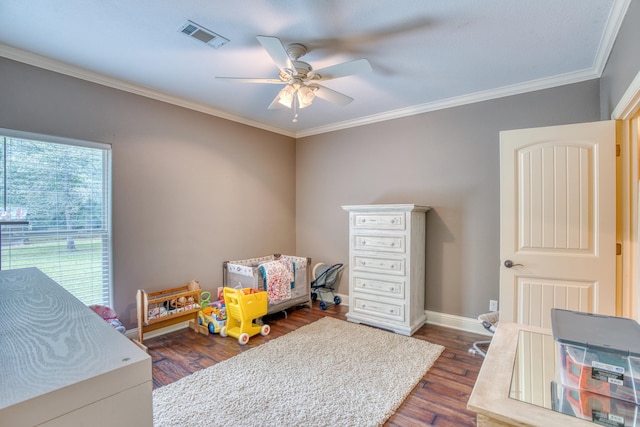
(167, 307)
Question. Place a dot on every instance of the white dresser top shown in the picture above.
(382, 208)
(50, 340)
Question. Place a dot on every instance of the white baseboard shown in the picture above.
(433, 318)
(133, 333)
(447, 320)
(456, 322)
(345, 299)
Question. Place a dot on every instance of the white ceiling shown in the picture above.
(425, 55)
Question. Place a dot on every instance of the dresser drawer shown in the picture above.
(375, 286)
(379, 221)
(379, 243)
(378, 308)
(379, 265)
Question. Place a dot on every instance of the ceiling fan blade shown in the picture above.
(275, 104)
(252, 80)
(278, 53)
(331, 95)
(341, 70)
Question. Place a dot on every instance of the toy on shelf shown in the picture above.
(213, 316)
(243, 307)
(167, 307)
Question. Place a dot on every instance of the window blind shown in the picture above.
(62, 188)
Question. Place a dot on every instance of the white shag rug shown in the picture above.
(328, 373)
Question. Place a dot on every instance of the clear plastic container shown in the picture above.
(599, 354)
(594, 407)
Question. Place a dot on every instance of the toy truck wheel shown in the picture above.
(212, 328)
(243, 338)
(223, 331)
(265, 330)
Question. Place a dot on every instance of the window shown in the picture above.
(62, 188)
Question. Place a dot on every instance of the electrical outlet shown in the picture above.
(493, 305)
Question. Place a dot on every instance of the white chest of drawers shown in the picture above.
(387, 266)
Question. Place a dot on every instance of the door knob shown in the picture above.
(508, 263)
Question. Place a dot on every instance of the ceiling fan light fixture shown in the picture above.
(305, 96)
(285, 97)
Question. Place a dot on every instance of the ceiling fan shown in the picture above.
(299, 78)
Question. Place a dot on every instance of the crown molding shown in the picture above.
(83, 74)
(614, 22)
(487, 95)
(90, 76)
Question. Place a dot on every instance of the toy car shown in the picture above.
(214, 317)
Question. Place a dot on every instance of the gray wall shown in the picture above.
(624, 62)
(189, 190)
(448, 159)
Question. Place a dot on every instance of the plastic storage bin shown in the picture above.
(599, 354)
(594, 407)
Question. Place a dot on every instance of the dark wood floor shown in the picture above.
(439, 399)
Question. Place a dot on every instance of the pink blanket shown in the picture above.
(278, 279)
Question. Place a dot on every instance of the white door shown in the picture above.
(557, 221)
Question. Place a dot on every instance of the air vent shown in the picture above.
(200, 33)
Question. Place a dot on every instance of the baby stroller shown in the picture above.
(323, 279)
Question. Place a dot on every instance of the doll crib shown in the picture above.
(168, 307)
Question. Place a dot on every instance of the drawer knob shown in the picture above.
(393, 244)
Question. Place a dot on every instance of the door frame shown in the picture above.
(627, 115)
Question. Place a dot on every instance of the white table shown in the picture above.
(61, 364)
(493, 399)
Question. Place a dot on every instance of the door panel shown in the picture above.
(557, 221)
(538, 296)
(555, 196)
